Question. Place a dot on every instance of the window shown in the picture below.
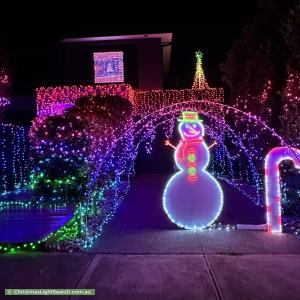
(108, 67)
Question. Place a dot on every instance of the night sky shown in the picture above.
(31, 42)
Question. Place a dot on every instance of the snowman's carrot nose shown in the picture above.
(192, 130)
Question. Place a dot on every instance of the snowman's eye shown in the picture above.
(194, 125)
(186, 126)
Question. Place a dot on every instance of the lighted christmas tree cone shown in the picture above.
(192, 199)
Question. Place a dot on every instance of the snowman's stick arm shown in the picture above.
(167, 143)
(212, 145)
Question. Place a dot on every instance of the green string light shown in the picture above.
(191, 157)
(192, 171)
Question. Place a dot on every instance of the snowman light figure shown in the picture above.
(192, 199)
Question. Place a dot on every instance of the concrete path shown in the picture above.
(141, 226)
(181, 276)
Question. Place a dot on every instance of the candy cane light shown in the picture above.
(272, 183)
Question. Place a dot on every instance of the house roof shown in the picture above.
(165, 38)
(166, 43)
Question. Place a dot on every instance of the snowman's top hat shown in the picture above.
(190, 116)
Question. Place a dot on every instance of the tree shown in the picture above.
(291, 33)
(67, 148)
(290, 118)
(199, 78)
(258, 60)
(58, 157)
(5, 82)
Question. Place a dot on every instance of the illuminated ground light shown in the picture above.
(192, 199)
(272, 183)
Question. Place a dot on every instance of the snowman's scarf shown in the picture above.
(185, 145)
